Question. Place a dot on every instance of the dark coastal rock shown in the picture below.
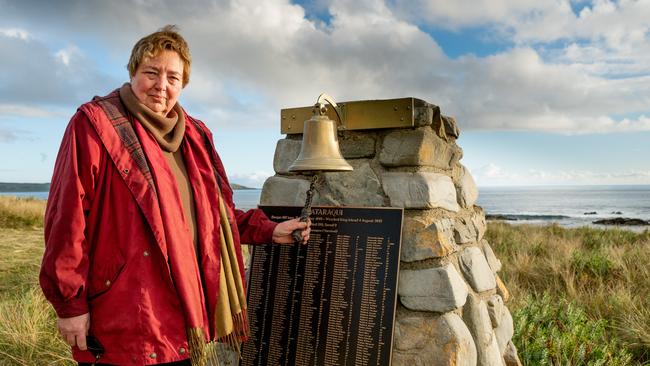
(616, 213)
(622, 221)
(591, 213)
(501, 217)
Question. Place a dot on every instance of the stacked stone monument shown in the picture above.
(451, 307)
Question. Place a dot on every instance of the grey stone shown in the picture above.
(221, 354)
(420, 190)
(466, 190)
(355, 145)
(505, 330)
(478, 219)
(495, 309)
(495, 264)
(437, 124)
(451, 127)
(425, 235)
(433, 289)
(286, 152)
(360, 187)
(281, 191)
(475, 315)
(432, 341)
(476, 270)
(464, 231)
(471, 228)
(423, 113)
(418, 147)
(510, 355)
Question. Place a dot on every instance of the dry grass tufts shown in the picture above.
(19, 212)
(604, 272)
(28, 334)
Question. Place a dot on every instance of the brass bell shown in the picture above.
(320, 146)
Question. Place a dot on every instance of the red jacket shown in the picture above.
(105, 253)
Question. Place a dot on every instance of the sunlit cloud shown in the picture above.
(493, 174)
(567, 67)
(251, 180)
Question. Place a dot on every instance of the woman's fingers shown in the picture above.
(282, 232)
(70, 339)
(81, 342)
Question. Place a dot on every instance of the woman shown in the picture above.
(142, 236)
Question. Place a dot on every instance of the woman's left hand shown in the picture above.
(282, 232)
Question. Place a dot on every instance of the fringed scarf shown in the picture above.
(213, 297)
(225, 291)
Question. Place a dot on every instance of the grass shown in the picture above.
(17, 213)
(28, 334)
(552, 332)
(600, 277)
(578, 296)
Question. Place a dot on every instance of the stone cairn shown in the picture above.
(451, 308)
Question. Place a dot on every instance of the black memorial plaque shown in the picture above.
(331, 302)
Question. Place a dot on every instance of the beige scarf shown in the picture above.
(167, 130)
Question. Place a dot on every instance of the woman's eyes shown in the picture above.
(151, 73)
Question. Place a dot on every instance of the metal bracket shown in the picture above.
(355, 115)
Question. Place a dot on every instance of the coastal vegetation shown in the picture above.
(578, 296)
(28, 334)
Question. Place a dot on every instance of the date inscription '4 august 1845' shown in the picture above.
(331, 302)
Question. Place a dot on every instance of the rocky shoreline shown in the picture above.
(611, 221)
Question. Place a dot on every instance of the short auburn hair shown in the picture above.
(166, 38)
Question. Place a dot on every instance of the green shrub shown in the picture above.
(551, 332)
(591, 263)
(604, 272)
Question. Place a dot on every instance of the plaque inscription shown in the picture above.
(331, 302)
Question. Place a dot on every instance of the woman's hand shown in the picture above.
(282, 232)
(74, 330)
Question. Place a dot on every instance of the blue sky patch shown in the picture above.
(478, 41)
(315, 11)
(578, 5)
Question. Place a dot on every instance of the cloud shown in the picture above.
(567, 71)
(464, 13)
(251, 180)
(7, 135)
(492, 174)
(33, 75)
(28, 111)
(15, 33)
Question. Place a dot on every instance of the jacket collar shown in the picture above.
(114, 127)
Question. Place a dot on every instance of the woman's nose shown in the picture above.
(161, 83)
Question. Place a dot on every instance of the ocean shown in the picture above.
(569, 206)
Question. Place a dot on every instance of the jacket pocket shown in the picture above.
(104, 273)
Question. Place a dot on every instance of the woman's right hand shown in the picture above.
(74, 330)
(283, 230)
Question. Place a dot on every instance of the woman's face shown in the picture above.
(158, 81)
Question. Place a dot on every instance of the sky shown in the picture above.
(553, 92)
